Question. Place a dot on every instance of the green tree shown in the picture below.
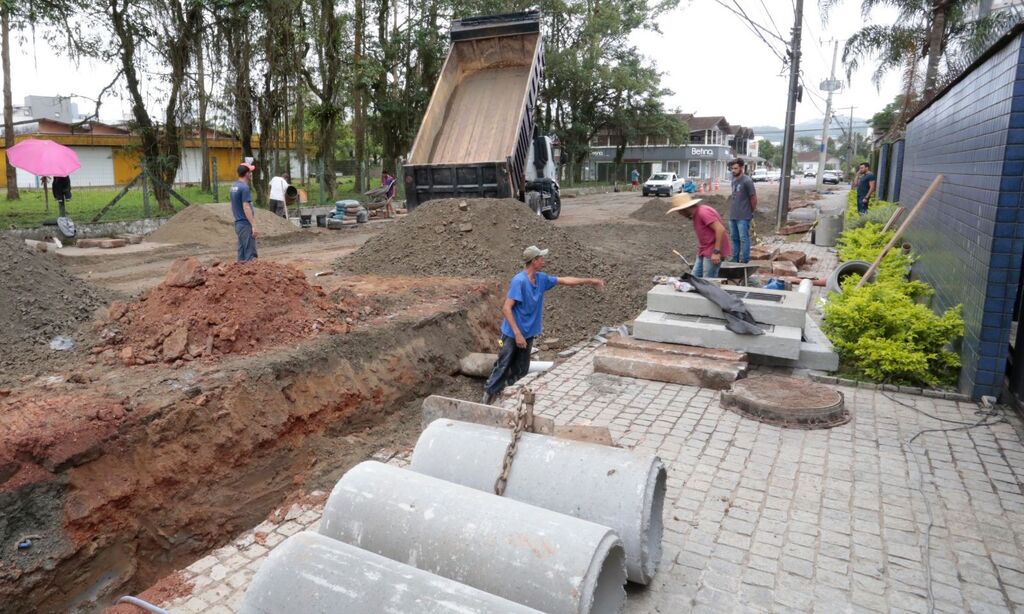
(771, 153)
(931, 31)
(806, 143)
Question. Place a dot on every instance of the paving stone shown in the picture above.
(833, 515)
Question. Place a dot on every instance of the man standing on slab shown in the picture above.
(523, 309)
(245, 217)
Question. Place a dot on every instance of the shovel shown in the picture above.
(689, 266)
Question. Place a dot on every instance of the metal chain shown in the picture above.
(522, 421)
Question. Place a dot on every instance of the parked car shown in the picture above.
(663, 184)
(830, 177)
(775, 175)
(810, 174)
(759, 175)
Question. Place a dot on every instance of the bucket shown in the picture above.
(828, 229)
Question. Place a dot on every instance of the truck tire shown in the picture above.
(556, 209)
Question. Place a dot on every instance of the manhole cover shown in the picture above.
(786, 401)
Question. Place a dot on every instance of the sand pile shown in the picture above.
(38, 301)
(236, 308)
(215, 225)
(486, 240)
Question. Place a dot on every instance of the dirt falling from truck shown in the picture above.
(486, 238)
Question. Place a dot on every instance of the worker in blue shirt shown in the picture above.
(523, 310)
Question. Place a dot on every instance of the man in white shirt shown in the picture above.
(278, 187)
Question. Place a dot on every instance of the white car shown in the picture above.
(663, 184)
(830, 177)
(759, 175)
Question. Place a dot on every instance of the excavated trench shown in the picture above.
(119, 475)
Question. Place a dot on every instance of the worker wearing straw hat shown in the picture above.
(713, 243)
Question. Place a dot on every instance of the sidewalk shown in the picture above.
(761, 518)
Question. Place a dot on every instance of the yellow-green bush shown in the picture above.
(881, 330)
(884, 334)
(865, 243)
(853, 216)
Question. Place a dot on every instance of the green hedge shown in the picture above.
(885, 331)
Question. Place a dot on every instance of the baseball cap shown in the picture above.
(532, 252)
(245, 167)
(682, 201)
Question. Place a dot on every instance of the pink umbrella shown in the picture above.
(44, 158)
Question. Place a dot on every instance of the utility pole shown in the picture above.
(829, 86)
(787, 141)
(852, 149)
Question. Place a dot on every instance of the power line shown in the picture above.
(755, 28)
(770, 18)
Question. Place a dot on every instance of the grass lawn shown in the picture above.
(85, 203)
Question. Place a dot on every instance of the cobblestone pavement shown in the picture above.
(761, 518)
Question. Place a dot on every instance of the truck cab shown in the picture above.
(541, 185)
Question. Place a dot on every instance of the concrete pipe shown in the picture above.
(548, 561)
(314, 574)
(610, 486)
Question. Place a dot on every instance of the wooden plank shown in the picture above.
(903, 227)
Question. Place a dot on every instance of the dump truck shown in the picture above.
(477, 138)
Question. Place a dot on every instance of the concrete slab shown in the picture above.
(780, 341)
(674, 369)
(767, 306)
(787, 401)
(816, 352)
(676, 349)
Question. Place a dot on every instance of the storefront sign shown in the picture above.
(702, 152)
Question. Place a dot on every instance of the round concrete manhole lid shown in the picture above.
(786, 401)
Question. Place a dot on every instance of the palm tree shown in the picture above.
(931, 30)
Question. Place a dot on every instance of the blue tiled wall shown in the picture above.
(969, 235)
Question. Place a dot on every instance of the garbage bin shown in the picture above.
(830, 226)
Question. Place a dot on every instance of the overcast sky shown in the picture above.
(711, 61)
(716, 66)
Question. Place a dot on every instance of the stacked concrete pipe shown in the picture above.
(313, 574)
(542, 559)
(609, 486)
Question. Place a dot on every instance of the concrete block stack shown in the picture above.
(791, 337)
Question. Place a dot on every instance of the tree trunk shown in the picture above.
(358, 112)
(300, 126)
(204, 147)
(936, 44)
(12, 173)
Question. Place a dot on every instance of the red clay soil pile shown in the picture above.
(485, 238)
(236, 308)
(38, 301)
(215, 225)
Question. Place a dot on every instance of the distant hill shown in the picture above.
(811, 128)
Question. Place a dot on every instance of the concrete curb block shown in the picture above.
(539, 558)
(926, 392)
(609, 486)
(313, 574)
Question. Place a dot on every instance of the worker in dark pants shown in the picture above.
(523, 309)
(245, 216)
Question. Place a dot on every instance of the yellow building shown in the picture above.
(110, 155)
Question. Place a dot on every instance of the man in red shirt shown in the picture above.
(713, 243)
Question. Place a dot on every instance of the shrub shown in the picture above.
(852, 215)
(882, 330)
(865, 243)
(878, 213)
(885, 335)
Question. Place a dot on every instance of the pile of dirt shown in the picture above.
(485, 238)
(39, 300)
(655, 209)
(236, 308)
(215, 225)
